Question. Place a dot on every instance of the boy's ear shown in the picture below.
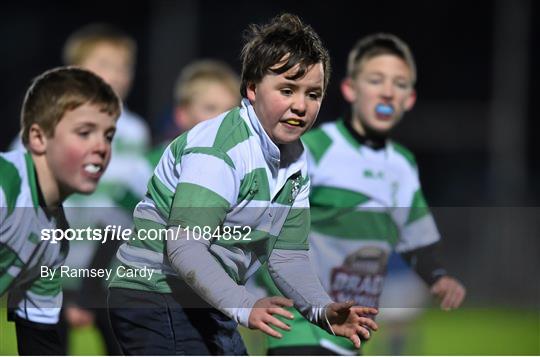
(37, 140)
(409, 103)
(179, 115)
(347, 90)
(251, 91)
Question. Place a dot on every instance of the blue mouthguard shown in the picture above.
(384, 109)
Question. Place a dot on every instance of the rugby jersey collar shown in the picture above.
(269, 148)
(372, 141)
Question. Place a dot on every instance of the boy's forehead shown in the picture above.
(384, 62)
(88, 113)
(314, 74)
(109, 48)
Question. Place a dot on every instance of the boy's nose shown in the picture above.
(299, 105)
(101, 147)
(388, 90)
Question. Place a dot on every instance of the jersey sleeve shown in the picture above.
(294, 234)
(10, 263)
(41, 302)
(206, 189)
(10, 267)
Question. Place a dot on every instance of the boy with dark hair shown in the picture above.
(366, 197)
(233, 193)
(68, 121)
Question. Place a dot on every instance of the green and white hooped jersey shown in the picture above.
(364, 203)
(22, 252)
(225, 172)
(363, 197)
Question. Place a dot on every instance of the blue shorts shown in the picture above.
(148, 323)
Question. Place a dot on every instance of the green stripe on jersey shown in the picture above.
(336, 197)
(318, 142)
(196, 205)
(47, 286)
(254, 186)
(178, 145)
(419, 207)
(8, 258)
(297, 225)
(229, 134)
(10, 183)
(161, 195)
(156, 245)
(352, 224)
(288, 192)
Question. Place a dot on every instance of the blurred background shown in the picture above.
(473, 129)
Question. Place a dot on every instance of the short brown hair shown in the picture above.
(81, 43)
(62, 89)
(200, 71)
(284, 35)
(379, 44)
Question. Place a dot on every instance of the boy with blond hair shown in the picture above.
(68, 122)
(233, 194)
(203, 89)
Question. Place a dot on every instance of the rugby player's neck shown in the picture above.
(46, 182)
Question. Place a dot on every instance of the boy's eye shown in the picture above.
(286, 91)
(109, 137)
(374, 80)
(402, 85)
(83, 133)
(314, 95)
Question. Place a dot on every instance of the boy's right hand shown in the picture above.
(351, 321)
(261, 315)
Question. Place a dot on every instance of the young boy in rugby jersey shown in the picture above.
(68, 121)
(234, 193)
(366, 197)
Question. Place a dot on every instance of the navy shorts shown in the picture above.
(148, 323)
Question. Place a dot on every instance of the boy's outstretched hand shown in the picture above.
(350, 321)
(450, 291)
(261, 315)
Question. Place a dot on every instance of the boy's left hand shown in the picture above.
(450, 291)
(350, 321)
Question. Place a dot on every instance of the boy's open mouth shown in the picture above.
(92, 168)
(384, 109)
(295, 122)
